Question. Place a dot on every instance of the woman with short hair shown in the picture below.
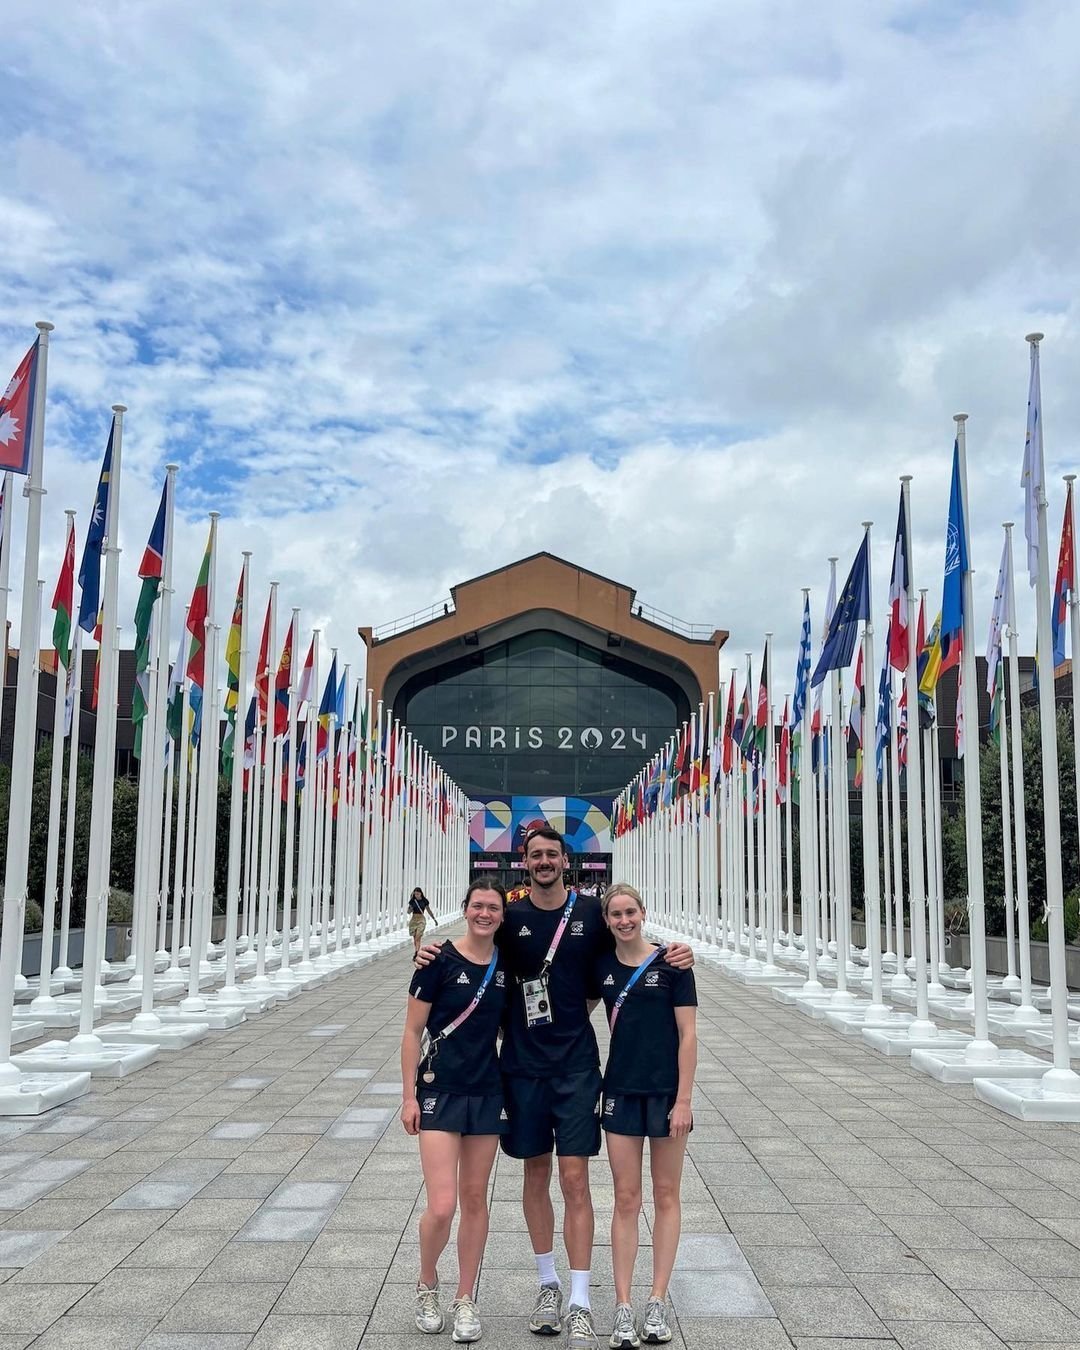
(648, 1082)
(452, 1098)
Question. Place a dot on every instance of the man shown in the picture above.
(551, 1071)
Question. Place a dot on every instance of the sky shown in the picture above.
(675, 292)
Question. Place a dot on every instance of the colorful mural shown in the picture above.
(499, 824)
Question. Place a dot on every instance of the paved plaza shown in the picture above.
(257, 1191)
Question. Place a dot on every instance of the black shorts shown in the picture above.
(644, 1117)
(457, 1113)
(563, 1113)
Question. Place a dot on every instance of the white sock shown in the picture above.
(545, 1268)
(579, 1289)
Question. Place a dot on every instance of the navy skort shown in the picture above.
(560, 1113)
(457, 1113)
(645, 1117)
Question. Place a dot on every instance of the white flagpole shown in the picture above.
(1010, 981)
(888, 959)
(44, 1002)
(871, 855)
(304, 886)
(181, 750)
(265, 769)
(229, 992)
(97, 875)
(63, 970)
(284, 973)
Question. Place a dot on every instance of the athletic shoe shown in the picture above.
(547, 1315)
(466, 1322)
(655, 1329)
(623, 1333)
(582, 1335)
(429, 1316)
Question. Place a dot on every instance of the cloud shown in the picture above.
(413, 292)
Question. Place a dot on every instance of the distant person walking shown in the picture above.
(419, 909)
(452, 1096)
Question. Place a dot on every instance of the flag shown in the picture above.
(1063, 585)
(997, 707)
(956, 567)
(802, 670)
(232, 678)
(728, 758)
(998, 618)
(1031, 476)
(281, 684)
(174, 714)
(929, 668)
(902, 728)
(64, 604)
(884, 717)
(249, 735)
(151, 570)
(855, 718)
(783, 768)
(852, 608)
(262, 668)
(90, 567)
(195, 707)
(97, 662)
(196, 620)
(898, 595)
(307, 678)
(17, 414)
(926, 701)
(761, 719)
(326, 711)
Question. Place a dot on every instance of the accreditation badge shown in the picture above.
(537, 1002)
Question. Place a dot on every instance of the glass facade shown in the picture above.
(541, 714)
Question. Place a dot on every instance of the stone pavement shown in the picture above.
(257, 1191)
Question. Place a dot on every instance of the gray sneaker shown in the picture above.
(655, 1329)
(547, 1314)
(582, 1334)
(429, 1317)
(466, 1322)
(623, 1332)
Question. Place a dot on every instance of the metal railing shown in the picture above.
(695, 632)
(436, 611)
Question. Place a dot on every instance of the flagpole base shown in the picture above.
(86, 1054)
(1055, 1100)
(915, 1036)
(961, 1066)
(852, 1022)
(21, 1032)
(175, 1036)
(47, 1012)
(1042, 1038)
(31, 1094)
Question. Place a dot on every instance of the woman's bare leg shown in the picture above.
(439, 1153)
(474, 1173)
(624, 1155)
(666, 1161)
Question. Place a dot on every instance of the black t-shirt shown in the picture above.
(467, 1061)
(644, 1053)
(418, 906)
(568, 1043)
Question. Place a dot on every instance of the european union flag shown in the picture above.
(90, 568)
(852, 608)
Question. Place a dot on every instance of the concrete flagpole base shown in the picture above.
(33, 989)
(952, 1007)
(46, 1012)
(1054, 1097)
(1042, 1038)
(960, 1066)
(21, 1032)
(31, 1094)
(67, 1057)
(217, 1016)
(879, 1017)
(175, 1036)
(103, 1002)
(1007, 1021)
(916, 1036)
(253, 1001)
(1040, 997)
(820, 1009)
(796, 998)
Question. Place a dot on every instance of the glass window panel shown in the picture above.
(517, 706)
(448, 702)
(518, 675)
(588, 706)
(542, 706)
(495, 674)
(493, 706)
(469, 700)
(421, 707)
(588, 675)
(564, 706)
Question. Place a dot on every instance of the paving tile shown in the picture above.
(825, 1312)
(964, 1269)
(330, 1332)
(247, 1262)
(19, 1249)
(283, 1225)
(35, 1307)
(127, 1291)
(945, 1336)
(208, 1307)
(1043, 1257)
(197, 1340)
(76, 1260)
(314, 1289)
(734, 1333)
(865, 1255)
(1019, 1316)
(171, 1247)
(100, 1333)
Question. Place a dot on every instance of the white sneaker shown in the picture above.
(623, 1332)
(655, 1329)
(429, 1317)
(547, 1314)
(581, 1333)
(466, 1322)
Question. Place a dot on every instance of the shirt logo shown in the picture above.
(503, 1115)
(463, 978)
(652, 977)
(500, 979)
(610, 979)
(577, 928)
(525, 931)
(429, 1105)
(609, 1106)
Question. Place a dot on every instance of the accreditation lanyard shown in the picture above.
(558, 935)
(630, 984)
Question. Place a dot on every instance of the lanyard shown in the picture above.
(558, 935)
(630, 984)
(451, 1027)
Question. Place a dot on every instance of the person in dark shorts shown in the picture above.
(419, 913)
(452, 1097)
(648, 1082)
(551, 1076)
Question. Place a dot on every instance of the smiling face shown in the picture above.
(625, 917)
(545, 861)
(484, 913)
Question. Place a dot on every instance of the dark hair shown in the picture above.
(543, 832)
(484, 884)
(421, 890)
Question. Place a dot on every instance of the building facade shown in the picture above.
(541, 688)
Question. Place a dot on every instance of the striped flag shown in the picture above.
(196, 620)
